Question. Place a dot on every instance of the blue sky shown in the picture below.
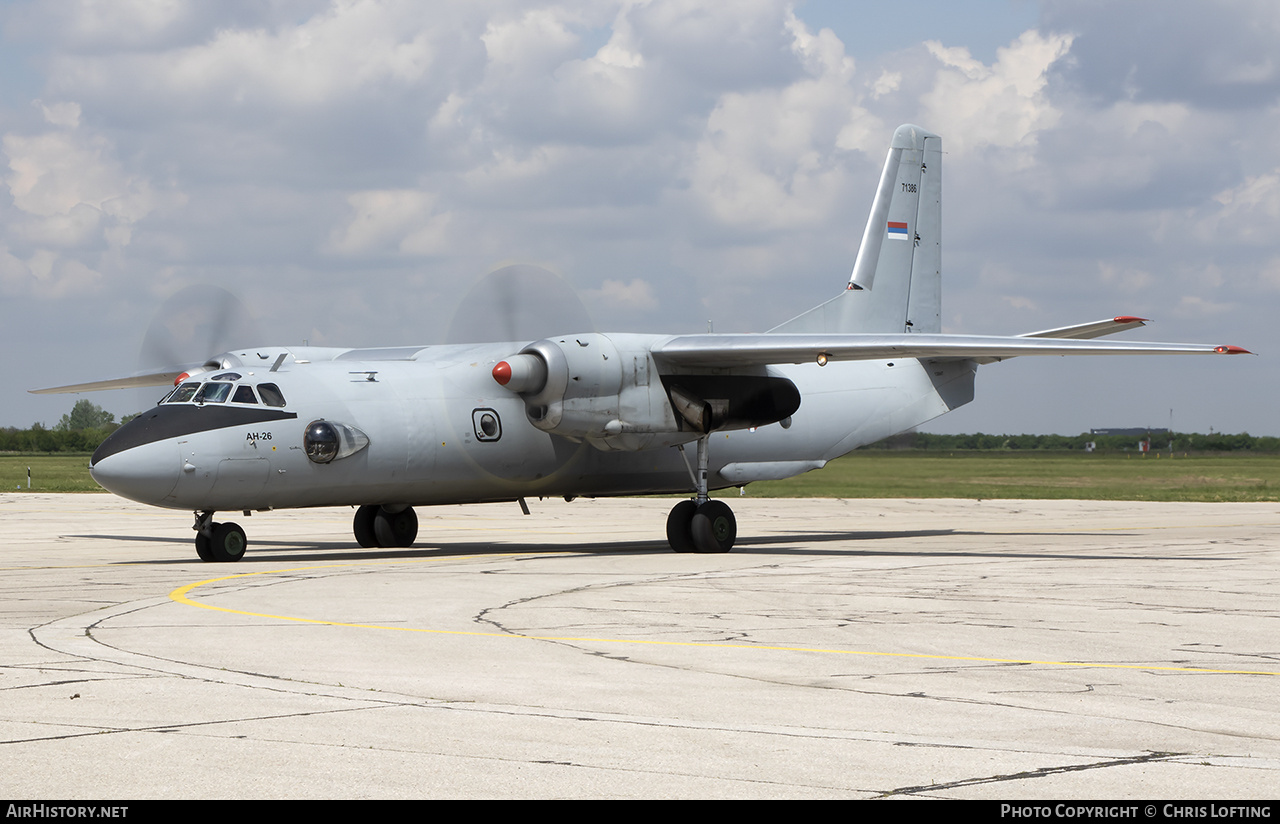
(350, 169)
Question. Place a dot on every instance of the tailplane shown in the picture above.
(896, 285)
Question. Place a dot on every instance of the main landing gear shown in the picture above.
(701, 525)
(218, 542)
(385, 526)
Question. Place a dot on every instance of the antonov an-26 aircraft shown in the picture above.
(579, 414)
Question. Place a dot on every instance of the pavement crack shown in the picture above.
(1038, 773)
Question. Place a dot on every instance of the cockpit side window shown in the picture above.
(244, 394)
(213, 393)
(270, 394)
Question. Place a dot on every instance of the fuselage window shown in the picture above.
(213, 393)
(270, 394)
(184, 393)
(244, 394)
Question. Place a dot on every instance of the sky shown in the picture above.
(351, 171)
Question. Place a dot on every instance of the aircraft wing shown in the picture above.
(763, 349)
(130, 382)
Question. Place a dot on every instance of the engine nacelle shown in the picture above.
(606, 389)
(593, 387)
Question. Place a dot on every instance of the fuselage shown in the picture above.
(430, 425)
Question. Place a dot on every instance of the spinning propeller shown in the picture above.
(522, 302)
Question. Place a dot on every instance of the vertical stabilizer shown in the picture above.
(896, 280)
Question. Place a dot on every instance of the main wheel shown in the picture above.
(396, 528)
(714, 528)
(362, 526)
(204, 547)
(228, 542)
(679, 534)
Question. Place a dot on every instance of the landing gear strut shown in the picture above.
(385, 526)
(701, 525)
(220, 543)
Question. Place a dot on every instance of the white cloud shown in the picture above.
(1125, 279)
(66, 114)
(615, 294)
(770, 159)
(1003, 104)
(1194, 306)
(74, 202)
(537, 41)
(887, 83)
(392, 221)
(1248, 213)
(1020, 302)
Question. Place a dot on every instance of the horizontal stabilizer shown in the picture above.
(1084, 331)
(764, 349)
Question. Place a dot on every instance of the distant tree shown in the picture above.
(85, 415)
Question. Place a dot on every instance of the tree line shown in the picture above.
(1158, 442)
(80, 430)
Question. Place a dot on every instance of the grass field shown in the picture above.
(49, 473)
(877, 474)
(1101, 477)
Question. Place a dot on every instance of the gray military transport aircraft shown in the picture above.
(584, 414)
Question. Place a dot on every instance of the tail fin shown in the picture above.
(896, 284)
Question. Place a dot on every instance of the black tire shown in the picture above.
(362, 526)
(679, 533)
(204, 547)
(228, 543)
(714, 528)
(396, 529)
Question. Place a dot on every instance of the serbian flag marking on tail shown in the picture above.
(897, 231)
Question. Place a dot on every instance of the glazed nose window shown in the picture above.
(321, 442)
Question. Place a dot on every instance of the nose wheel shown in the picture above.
(218, 543)
(701, 525)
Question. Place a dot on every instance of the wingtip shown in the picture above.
(1232, 350)
(1129, 319)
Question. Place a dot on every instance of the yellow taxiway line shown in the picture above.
(181, 596)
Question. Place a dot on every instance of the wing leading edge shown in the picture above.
(763, 349)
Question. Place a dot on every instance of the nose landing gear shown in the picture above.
(219, 543)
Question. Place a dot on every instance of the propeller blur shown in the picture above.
(580, 414)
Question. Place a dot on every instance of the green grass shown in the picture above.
(49, 473)
(878, 474)
(1099, 477)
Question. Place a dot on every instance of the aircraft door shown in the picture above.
(240, 479)
(197, 471)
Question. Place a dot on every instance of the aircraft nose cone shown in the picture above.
(146, 473)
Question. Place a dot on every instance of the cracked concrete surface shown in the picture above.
(856, 649)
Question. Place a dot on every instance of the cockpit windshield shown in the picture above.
(213, 392)
(184, 393)
(222, 389)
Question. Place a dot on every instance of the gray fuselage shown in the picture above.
(440, 430)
